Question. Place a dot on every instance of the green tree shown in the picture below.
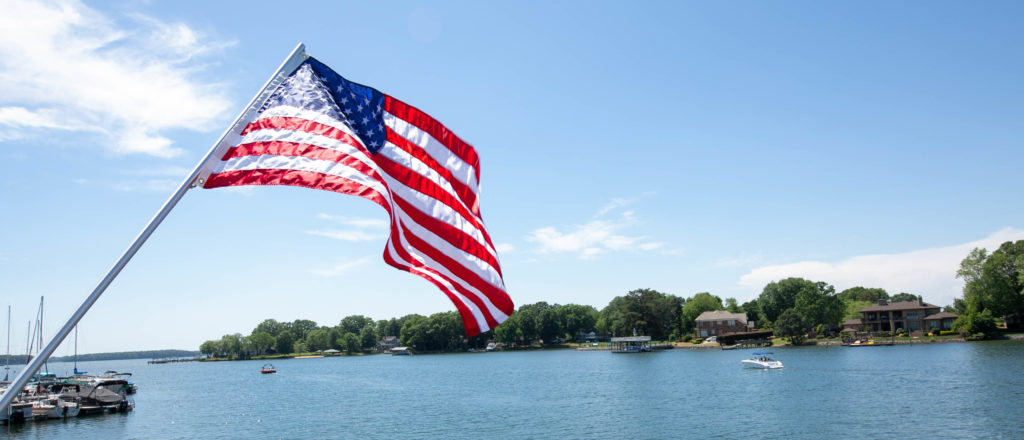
(753, 312)
(577, 318)
(209, 348)
(318, 339)
(261, 342)
(903, 296)
(863, 294)
(732, 306)
(368, 337)
(301, 327)
(231, 345)
(354, 324)
(789, 325)
(975, 325)
(816, 303)
(270, 326)
(995, 282)
(284, 342)
(693, 307)
(350, 342)
(779, 296)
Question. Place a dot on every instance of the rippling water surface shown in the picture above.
(953, 390)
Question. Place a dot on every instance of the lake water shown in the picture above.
(952, 390)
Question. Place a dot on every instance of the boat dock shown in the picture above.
(172, 360)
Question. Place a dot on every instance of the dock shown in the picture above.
(172, 360)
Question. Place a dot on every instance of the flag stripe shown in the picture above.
(304, 179)
(440, 133)
(421, 145)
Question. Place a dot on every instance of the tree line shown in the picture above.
(792, 307)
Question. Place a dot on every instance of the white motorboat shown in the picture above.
(760, 360)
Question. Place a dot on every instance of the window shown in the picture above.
(911, 315)
(718, 322)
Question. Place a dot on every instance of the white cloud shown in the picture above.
(927, 272)
(595, 237)
(504, 248)
(65, 66)
(373, 223)
(339, 268)
(360, 229)
(347, 235)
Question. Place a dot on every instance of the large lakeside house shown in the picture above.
(911, 316)
(717, 322)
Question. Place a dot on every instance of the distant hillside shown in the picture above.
(149, 354)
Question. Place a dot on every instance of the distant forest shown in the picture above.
(17, 359)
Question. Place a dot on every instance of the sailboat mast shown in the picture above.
(7, 362)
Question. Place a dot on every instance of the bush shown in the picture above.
(687, 338)
(946, 332)
(976, 325)
(697, 340)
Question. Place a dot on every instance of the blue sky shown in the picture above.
(679, 146)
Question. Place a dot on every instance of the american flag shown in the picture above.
(319, 130)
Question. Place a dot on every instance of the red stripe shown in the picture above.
(303, 125)
(454, 236)
(403, 254)
(305, 179)
(436, 130)
(468, 320)
(469, 198)
(496, 296)
(294, 149)
(417, 182)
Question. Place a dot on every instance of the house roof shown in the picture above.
(943, 315)
(902, 305)
(718, 315)
(856, 321)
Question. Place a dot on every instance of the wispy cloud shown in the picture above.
(357, 229)
(927, 272)
(67, 67)
(339, 268)
(346, 235)
(595, 237)
(504, 248)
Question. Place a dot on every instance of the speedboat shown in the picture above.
(760, 360)
(268, 369)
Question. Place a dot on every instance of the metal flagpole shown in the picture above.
(286, 68)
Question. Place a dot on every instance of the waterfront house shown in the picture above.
(718, 322)
(387, 343)
(853, 325)
(940, 321)
(906, 315)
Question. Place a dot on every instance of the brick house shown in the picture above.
(718, 322)
(907, 315)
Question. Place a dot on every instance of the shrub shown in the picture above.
(946, 332)
(697, 340)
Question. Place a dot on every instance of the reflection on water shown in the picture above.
(921, 391)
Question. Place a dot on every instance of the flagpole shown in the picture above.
(286, 68)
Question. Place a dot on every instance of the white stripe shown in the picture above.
(300, 137)
(481, 321)
(327, 167)
(403, 158)
(289, 111)
(462, 171)
(437, 209)
(431, 263)
(467, 260)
